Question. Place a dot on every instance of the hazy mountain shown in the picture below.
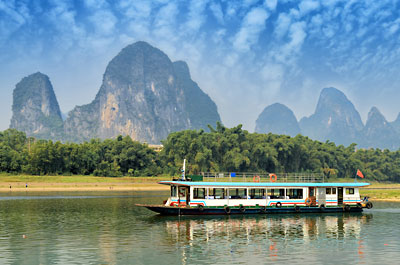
(379, 133)
(278, 119)
(35, 108)
(396, 124)
(335, 119)
(198, 105)
(143, 95)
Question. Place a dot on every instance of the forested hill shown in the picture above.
(221, 149)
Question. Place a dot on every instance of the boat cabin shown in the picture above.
(232, 194)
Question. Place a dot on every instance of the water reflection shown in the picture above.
(265, 236)
(287, 227)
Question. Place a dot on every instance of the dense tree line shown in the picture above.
(111, 157)
(221, 149)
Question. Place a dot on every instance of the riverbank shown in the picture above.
(79, 183)
(18, 183)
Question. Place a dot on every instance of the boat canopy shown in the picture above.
(263, 184)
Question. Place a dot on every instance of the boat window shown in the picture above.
(276, 193)
(216, 194)
(199, 193)
(330, 191)
(182, 191)
(294, 193)
(237, 193)
(173, 191)
(257, 193)
(349, 191)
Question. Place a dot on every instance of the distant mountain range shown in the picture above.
(143, 95)
(147, 96)
(335, 119)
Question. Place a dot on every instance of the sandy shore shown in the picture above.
(20, 186)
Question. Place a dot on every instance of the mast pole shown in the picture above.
(184, 169)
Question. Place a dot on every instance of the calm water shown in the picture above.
(91, 228)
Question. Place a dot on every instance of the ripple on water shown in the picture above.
(111, 230)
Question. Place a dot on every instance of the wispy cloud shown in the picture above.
(251, 52)
(253, 24)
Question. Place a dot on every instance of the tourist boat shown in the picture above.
(260, 194)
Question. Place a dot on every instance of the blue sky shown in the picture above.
(244, 54)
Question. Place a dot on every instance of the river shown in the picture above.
(107, 228)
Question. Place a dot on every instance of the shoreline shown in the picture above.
(376, 192)
(45, 187)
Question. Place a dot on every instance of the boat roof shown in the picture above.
(264, 184)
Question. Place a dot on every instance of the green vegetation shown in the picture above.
(221, 149)
(111, 158)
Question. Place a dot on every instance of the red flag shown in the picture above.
(360, 174)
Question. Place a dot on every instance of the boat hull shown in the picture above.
(166, 210)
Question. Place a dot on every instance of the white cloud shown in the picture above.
(272, 76)
(248, 3)
(135, 9)
(271, 4)
(282, 25)
(391, 28)
(12, 12)
(288, 52)
(216, 9)
(12, 18)
(196, 16)
(95, 4)
(104, 22)
(165, 22)
(307, 6)
(253, 24)
(232, 8)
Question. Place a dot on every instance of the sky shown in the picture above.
(245, 55)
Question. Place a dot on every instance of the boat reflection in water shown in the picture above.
(272, 236)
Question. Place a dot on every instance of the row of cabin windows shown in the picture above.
(332, 191)
(220, 193)
(233, 193)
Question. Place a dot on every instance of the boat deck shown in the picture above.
(218, 210)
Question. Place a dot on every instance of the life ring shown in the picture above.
(297, 208)
(256, 179)
(347, 208)
(227, 210)
(369, 205)
(242, 209)
(273, 177)
(308, 201)
(322, 207)
(200, 207)
(278, 205)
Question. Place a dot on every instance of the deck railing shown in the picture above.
(262, 177)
